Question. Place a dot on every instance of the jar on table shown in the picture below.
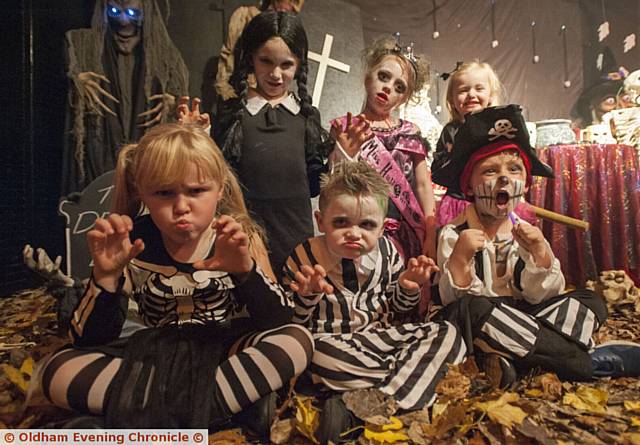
(554, 132)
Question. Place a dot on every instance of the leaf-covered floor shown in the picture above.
(539, 409)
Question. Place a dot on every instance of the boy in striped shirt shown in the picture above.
(348, 286)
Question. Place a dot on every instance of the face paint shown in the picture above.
(498, 197)
(125, 19)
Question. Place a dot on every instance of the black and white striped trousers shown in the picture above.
(257, 364)
(554, 335)
(405, 361)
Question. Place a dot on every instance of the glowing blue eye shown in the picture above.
(133, 13)
(113, 11)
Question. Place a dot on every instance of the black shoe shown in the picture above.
(499, 370)
(258, 417)
(616, 359)
(335, 419)
(85, 423)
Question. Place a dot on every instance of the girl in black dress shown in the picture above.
(271, 136)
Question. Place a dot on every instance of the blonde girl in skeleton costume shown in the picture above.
(193, 265)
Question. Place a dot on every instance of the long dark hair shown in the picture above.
(263, 27)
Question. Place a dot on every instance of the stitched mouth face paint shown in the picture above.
(498, 197)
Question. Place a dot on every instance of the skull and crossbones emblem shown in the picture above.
(502, 127)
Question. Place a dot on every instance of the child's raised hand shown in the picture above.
(469, 242)
(231, 253)
(532, 240)
(111, 249)
(357, 132)
(193, 115)
(417, 273)
(311, 280)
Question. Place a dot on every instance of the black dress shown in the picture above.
(273, 170)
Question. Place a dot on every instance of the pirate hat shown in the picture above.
(482, 134)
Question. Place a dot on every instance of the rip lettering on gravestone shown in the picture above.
(81, 210)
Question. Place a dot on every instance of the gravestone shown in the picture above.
(340, 24)
(80, 211)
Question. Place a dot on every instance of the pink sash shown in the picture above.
(376, 154)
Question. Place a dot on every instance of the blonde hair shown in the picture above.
(162, 158)
(355, 179)
(387, 46)
(497, 95)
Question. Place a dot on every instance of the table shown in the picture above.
(601, 184)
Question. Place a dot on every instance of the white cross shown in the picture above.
(324, 61)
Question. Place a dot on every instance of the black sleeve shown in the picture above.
(318, 145)
(441, 155)
(226, 116)
(99, 315)
(265, 300)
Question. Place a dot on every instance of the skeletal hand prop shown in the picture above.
(92, 92)
(155, 114)
(41, 264)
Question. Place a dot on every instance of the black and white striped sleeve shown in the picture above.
(401, 300)
(303, 306)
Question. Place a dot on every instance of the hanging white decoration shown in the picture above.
(629, 42)
(603, 31)
(494, 40)
(435, 34)
(599, 61)
(563, 32)
(536, 56)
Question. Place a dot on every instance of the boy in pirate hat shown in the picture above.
(500, 282)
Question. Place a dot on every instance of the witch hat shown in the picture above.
(609, 82)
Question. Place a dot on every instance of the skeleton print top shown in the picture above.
(168, 292)
(375, 302)
(501, 269)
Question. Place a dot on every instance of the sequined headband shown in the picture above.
(405, 52)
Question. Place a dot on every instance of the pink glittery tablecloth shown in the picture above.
(599, 184)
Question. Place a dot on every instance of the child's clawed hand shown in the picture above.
(193, 115)
(231, 252)
(356, 133)
(112, 249)
(311, 280)
(417, 273)
(532, 240)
